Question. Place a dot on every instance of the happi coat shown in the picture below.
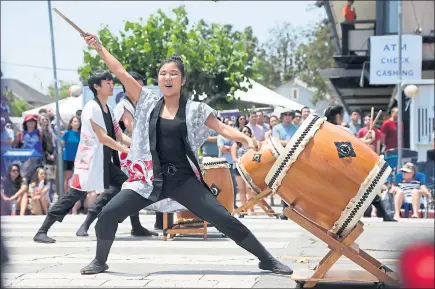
(142, 163)
(89, 161)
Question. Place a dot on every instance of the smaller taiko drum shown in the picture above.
(217, 175)
(254, 166)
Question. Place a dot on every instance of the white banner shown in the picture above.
(118, 94)
(384, 58)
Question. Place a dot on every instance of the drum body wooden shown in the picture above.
(328, 175)
(254, 166)
(217, 175)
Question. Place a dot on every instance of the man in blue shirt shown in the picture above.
(286, 129)
(224, 146)
(210, 147)
(284, 132)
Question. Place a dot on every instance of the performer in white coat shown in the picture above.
(96, 165)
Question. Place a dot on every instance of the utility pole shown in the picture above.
(56, 93)
(399, 91)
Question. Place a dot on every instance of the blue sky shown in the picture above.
(25, 32)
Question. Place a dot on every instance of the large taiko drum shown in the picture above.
(254, 166)
(328, 175)
(216, 174)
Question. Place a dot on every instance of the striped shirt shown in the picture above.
(408, 187)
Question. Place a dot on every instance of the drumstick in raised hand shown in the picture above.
(372, 114)
(372, 124)
(82, 33)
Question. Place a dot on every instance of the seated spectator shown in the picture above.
(13, 191)
(409, 190)
(38, 191)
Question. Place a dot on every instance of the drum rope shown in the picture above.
(291, 152)
(363, 199)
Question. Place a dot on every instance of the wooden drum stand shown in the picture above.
(257, 199)
(374, 271)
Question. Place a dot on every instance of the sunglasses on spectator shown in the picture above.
(297, 116)
(287, 114)
(14, 171)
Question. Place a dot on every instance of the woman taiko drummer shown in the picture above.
(167, 133)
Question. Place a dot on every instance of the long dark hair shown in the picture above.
(71, 120)
(239, 144)
(18, 180)
(238, 121)
(35, 176)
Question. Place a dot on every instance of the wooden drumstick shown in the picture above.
(70, 22)
(372, 114)
(376, 119)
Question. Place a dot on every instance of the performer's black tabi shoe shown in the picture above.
(82, 231)
(95, 267)
(42, 237)
(142, 232)
(275, 266)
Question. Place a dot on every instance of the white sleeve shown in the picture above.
(92, 111)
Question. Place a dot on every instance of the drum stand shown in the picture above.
(374, 271)
(258, 199)
(179, 229)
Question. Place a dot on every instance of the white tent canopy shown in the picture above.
(67, 107)
(263, 95)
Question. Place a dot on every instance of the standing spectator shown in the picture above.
(30, 138)
(210, 148)
(298, 118)
(4, 108)
(286, 129)
(349, 13)
(53, 119)
(13, 191)
(224, 146)
(389, 130)
(70, 139)
(227, 120)
(48, 141)
(261, 122)
(79, 113)
(256, 129)
(273, 121)
(38, 191)
(240, 122)
(237, 151)
(284, 132)
(7, 136)
(355, 122)
(373, 142)
(305, 112)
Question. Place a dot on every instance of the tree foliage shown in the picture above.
(276, 58)
(63, 89)
(216, 58)
(17, 106)
(315, 55)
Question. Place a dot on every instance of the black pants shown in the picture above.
(67, 201)
(191, 194)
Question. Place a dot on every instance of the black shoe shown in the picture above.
(95, 267)
(42, 237)
(283, 217)
(275, 266)
(142, 232)
(82, 231)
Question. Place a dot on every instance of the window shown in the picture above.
(295, 93)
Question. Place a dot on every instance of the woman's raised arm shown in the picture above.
(131, 85)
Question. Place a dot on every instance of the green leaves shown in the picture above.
(216, 58)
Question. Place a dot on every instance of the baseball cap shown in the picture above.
(408, 168)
